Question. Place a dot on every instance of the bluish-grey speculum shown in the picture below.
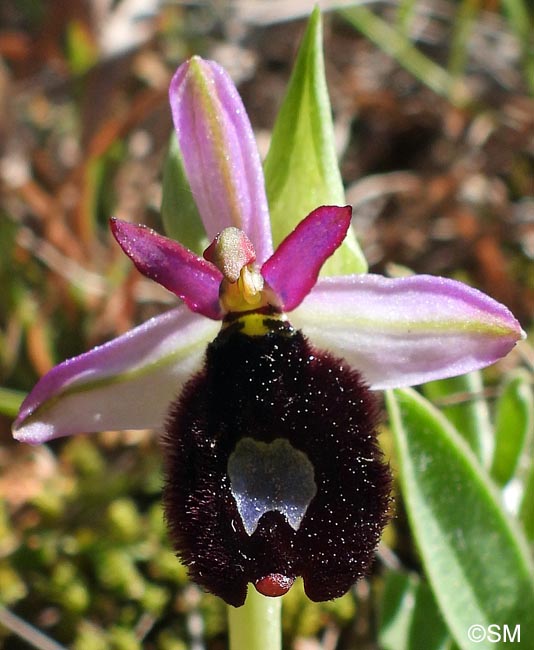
(267, 477)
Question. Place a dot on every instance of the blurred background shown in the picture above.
(434, 118)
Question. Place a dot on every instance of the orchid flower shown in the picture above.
(262, 380)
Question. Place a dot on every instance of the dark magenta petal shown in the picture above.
(164, 260)
(292, 270)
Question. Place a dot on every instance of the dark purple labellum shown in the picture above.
(274, 407)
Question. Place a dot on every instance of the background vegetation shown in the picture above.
(434, 117)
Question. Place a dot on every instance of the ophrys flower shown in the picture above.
(272, 464)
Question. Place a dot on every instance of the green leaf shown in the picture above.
(397, 45)
(405, 16)
(514, 426)
(462, 403)
(397, 610)
(427, 630)
(475, 558)
(82, 51)
(301, 169)
(526, 510)
(179, 212)
(465, 20)
(410, 618)
(10, 401)
(522, 24)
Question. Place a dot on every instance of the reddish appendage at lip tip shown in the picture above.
(275, 584)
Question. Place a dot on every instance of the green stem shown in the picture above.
(465, 19)
(394, 43)
(256, 625)
(10, 401)
(405, 15)
(521, 21)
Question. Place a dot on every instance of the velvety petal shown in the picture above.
(164, 260)
(219, 152)
(127, 383)
(402, 332)
(293, 268)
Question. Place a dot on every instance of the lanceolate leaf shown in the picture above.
(410, 618)
(397, 610)
(526, 511)
(476, 560)
(465, 407)
(301, 169)
(179, 212)
(513, 427)
(427, 630)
